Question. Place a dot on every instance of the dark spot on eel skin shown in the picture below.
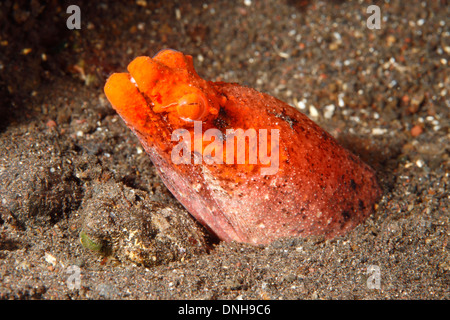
(361, 205)
(346, 215)
(221, 122)
(353, 184)
(285, 117)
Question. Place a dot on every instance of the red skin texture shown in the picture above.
(320, 187)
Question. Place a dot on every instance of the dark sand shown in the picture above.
(382, 93)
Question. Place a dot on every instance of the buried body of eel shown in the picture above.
(284, 176)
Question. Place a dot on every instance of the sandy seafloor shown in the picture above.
(383, 93)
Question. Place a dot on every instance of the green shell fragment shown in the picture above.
(88, 243)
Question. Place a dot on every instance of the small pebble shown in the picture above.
(420, 163)
(301, 104)
(416, 131)
(378, 131)
(51, 124)
(329, 111)
(50, 258)
(313, 111)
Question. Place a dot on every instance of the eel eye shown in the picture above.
(192, 107)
